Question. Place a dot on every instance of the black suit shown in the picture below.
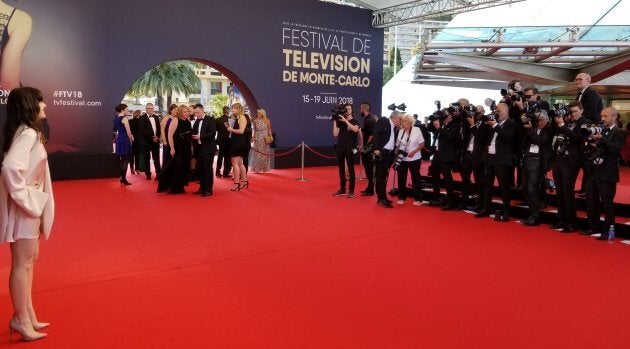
(500, 165)
(205, 148)
(565, 170)
(602, 179)
(223, 141)
(448, 143)
(382, 134)
(473, 161)
(535, 162)
(149, 143)
(592, 103)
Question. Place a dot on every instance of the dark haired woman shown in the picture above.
(26, 202)
(123, 142)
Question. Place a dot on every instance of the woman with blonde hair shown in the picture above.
(239, 148)
(410, 142)
(27, 206)
(262, 140)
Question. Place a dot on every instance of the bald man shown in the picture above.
(589, 98)
(603, 173)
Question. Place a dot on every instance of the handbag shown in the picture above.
(268, 139)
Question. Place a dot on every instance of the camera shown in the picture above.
(513, 93)
(400, 155)
(559, 110)
(367, 149)
(438, 115)
(488, 117)
(337, 111)
(592, 152)
(560, 144)
(589, 130)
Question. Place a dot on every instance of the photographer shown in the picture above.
(569, 159)
(537, 152)
(475, 150)
(603, 173)
(367, 158)
(500, 162)
(384, 143)
(446, 145)
(408, 146)
(590, 99)
(345, 128)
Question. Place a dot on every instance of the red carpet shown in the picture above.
(286, 265)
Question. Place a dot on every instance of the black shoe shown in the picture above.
(205, 194)
(218, 175)
(531, 222)
(350, 194)
(148, 177)
(580, 192)
(482, 213)
(558, 225)
(588, 232)
(461, 207)
(339, 192)
(447, 207)
(384, 203)
(568, 229)
(602, 237)
(523, 203)
(367, 193)
(433, 203)
(502, 218)
(198, 192)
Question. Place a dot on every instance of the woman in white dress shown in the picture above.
(26, 202)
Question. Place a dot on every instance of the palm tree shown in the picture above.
(166, 78)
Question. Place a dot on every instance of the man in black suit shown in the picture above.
(149, 143)
(569, 159)
(474, 153)
(223, 141)
(602, 167)
(203, 137)
(500, 163)
(448, 142)
(384, 143)
(536, 155)
(590, 99)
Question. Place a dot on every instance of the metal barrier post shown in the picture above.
(302, 179)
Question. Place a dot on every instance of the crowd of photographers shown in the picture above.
(517, 142)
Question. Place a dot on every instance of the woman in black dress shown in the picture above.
(239, 147)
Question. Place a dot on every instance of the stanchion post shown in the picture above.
(302, 179)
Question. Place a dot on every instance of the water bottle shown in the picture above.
(611, 233)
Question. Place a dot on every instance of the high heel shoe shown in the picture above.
(244, 186)
(124, 182)
(236, 187)
(26, 331)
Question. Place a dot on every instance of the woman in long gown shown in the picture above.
(262, 132)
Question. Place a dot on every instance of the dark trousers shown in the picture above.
(204, 171)
(564, 176)
(368, 166)
(599, 198)
(505, 176)
(446, 170)
(532, 174)
(414, 168)
(346, 157)
(382, 172)
(137, 155)
(223, 159)
(149, 151)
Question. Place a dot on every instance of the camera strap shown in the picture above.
(407, 141)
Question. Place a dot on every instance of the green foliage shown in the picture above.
(417, 49)
(165, 79)
(388, 73)
(216, 105)
(398, 58)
